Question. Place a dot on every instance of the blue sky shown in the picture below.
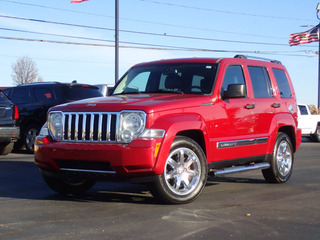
(265, 26)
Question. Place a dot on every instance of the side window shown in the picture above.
(20, 95)
(232, 75)
(283, 83)
(44, 94)
(303, 110)
(260, 82)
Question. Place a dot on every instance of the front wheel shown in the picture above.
(282, 161)
(184, 175)
(68, 186)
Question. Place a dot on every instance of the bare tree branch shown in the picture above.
(25, 71)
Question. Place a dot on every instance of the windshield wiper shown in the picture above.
(167, 91)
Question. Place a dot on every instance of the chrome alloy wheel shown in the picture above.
(318, 133)
(182, 171)
(30, 138)
(284, 158)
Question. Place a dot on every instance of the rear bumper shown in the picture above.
(97, 160)
(9, 134)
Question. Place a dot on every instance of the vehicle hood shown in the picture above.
(146, 102)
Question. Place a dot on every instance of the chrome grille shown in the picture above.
(90, 126)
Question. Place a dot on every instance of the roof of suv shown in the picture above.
(74, 83)
(240, 58)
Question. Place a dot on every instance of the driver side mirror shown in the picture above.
(235, 91)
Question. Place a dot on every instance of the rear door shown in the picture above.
(266, 106)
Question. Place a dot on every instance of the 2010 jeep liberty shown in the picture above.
(170, 123)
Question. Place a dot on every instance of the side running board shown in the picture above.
(237, 169)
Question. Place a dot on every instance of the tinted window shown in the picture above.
(233, 75)
(260, 82)
(7, 91)
(2, 97)
(283, 83)
(80, 92)
(44, 94)
(303, 110)
(20, 95)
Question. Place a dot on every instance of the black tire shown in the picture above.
(29, 136)
(68, 186)
(6, 149)
(282, 161)
(316, 135)
(185, 173)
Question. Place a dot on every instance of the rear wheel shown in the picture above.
(68, 186)
(184, 175)
(316, 135)
(29, 136)
(6, 149)
(282, 161)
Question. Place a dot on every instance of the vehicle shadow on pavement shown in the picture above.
(230, 179)
(22, 180)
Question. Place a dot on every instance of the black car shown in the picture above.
(8, 131)
(34, 99)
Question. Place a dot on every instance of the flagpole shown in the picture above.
(319, 78)
(116, 74)
(318, 9)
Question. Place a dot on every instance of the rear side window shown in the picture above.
(303, 110)
(44, 94)
(260, 82)
(283, 83)
(233, 75)
(80, 92)
(20, 95)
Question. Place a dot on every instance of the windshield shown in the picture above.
(191, 78)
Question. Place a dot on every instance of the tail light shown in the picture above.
(15, 112)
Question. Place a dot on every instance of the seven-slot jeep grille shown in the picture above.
(90, 127)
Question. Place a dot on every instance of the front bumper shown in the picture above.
(97, 160)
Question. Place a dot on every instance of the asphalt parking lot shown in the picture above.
(238, 206)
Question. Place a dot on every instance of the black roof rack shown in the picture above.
(259, 58)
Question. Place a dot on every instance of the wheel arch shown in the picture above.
(191, 126)
(284, 123)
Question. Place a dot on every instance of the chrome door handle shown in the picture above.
(276, 105)
(250, 106)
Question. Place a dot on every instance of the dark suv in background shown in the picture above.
(33, 101)
(8, 131)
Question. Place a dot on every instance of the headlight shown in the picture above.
(44, 130)
(55, 125)
(131, 125)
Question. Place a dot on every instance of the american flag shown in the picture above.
(77, 1)
(309, 36)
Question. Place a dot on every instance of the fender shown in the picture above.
(173, 124)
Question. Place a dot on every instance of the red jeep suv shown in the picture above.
(170, 123)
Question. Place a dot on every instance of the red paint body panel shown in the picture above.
(215, 123)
